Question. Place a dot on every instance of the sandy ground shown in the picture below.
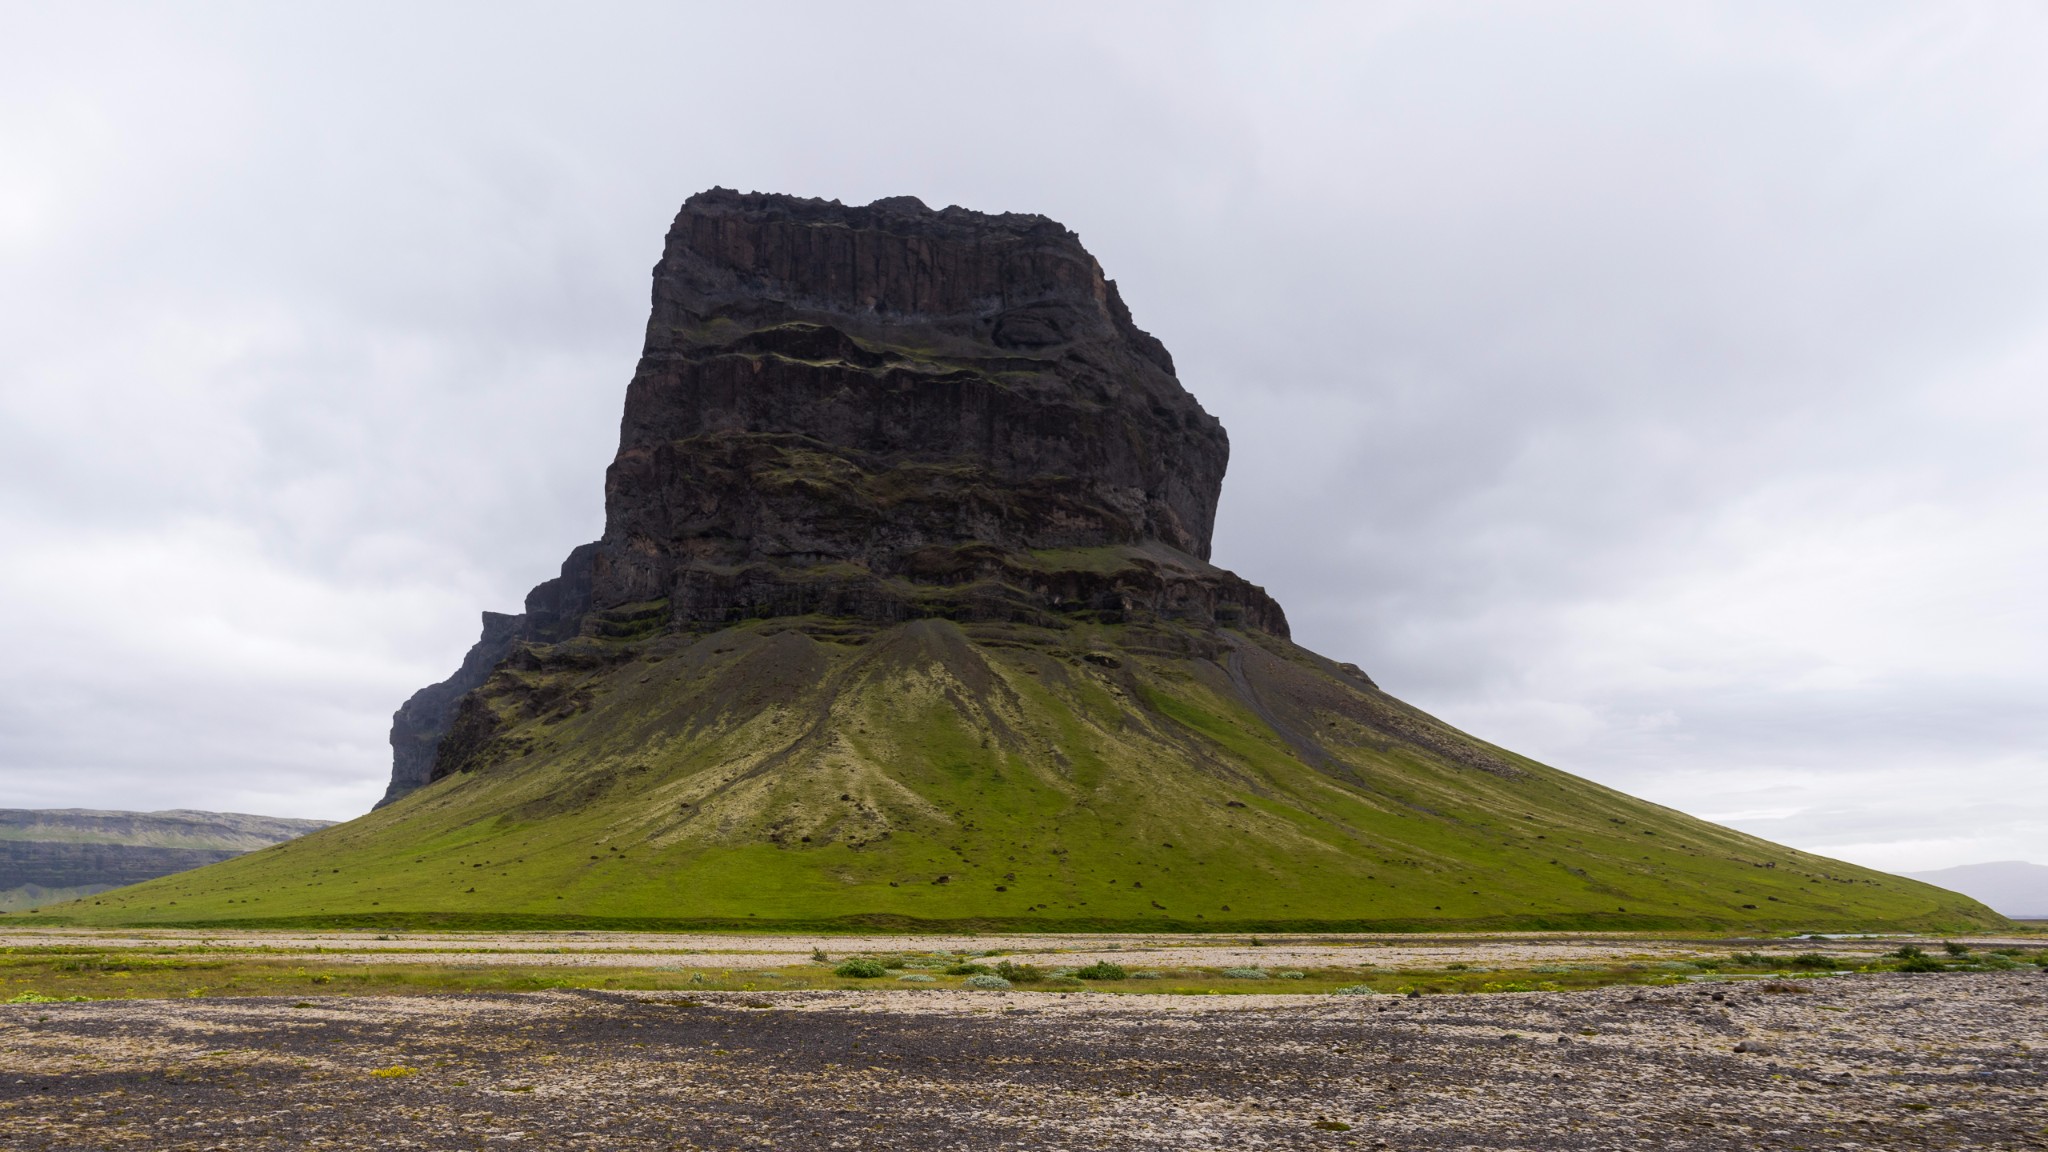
(1869, 1061)
(577, 949)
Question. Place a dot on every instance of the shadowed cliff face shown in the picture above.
(833, 398)
(419, 724)
(956, 349)
(882, 414)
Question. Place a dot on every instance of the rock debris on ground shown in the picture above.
(1869, 1061)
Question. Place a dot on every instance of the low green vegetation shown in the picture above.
(809, 775)
(60, 974)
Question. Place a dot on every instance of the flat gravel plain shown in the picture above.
(740, 953)
(1878, 1061)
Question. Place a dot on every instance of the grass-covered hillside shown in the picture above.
(809, 773)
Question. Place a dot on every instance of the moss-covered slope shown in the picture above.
(802, 772)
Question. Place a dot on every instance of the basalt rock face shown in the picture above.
(983, 359)
(879, 414)
(419, 724)
(888, 412)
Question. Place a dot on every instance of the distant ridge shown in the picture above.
(2012, 887)
(53, 854)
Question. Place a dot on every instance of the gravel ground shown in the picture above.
(1871, 1061)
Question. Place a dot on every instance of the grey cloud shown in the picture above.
(1652, 391)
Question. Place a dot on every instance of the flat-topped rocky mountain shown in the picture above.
(54, 854)
(903, 616)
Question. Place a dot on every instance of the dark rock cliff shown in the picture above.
(419, 723)
(880, 414)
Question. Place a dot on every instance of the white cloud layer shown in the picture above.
(1654, 390)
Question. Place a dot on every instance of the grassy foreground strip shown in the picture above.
(48, 974)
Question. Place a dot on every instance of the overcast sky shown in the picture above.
(1657, 390)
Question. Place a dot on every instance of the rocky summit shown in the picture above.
(903, 616)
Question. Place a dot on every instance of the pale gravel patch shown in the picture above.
(927, 1069)
(737, 953)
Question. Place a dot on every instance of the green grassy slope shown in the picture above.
(801, 773)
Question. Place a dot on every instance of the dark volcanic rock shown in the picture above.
(554, 611)
(982, 364)
(880, 414)
(419, 723)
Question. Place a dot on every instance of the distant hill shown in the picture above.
(54, 854)
(2013, 887)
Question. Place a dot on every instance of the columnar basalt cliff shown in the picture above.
(881, 414)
